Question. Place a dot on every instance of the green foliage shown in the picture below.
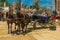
(2, 2)
(37, 1)
(36, 5)
(25, 5)
(18, 4)
(7, 4)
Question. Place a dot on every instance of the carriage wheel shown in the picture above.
(43, 25)
(52, 27)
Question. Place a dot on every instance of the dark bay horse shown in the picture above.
(10, 21)
(20, 19)
(24, 20)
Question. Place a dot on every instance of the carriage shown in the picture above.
(43, 21)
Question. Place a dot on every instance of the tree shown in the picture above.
(17, 2)
(7, 3)
(37, 1)
(36, 5)
(4, 1)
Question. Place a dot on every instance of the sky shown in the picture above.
(46, 3)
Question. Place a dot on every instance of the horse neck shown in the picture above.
(7, 14)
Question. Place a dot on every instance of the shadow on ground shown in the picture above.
(30, 30)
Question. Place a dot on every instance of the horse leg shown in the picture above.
(11, 27)
(22, 26)
(26, 27)
(18, 28)
(8, 28)
(15, 26)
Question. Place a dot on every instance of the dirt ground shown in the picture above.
(38, 34)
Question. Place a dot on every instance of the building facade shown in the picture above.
(58, 6)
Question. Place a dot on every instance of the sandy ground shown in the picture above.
(38, 34)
